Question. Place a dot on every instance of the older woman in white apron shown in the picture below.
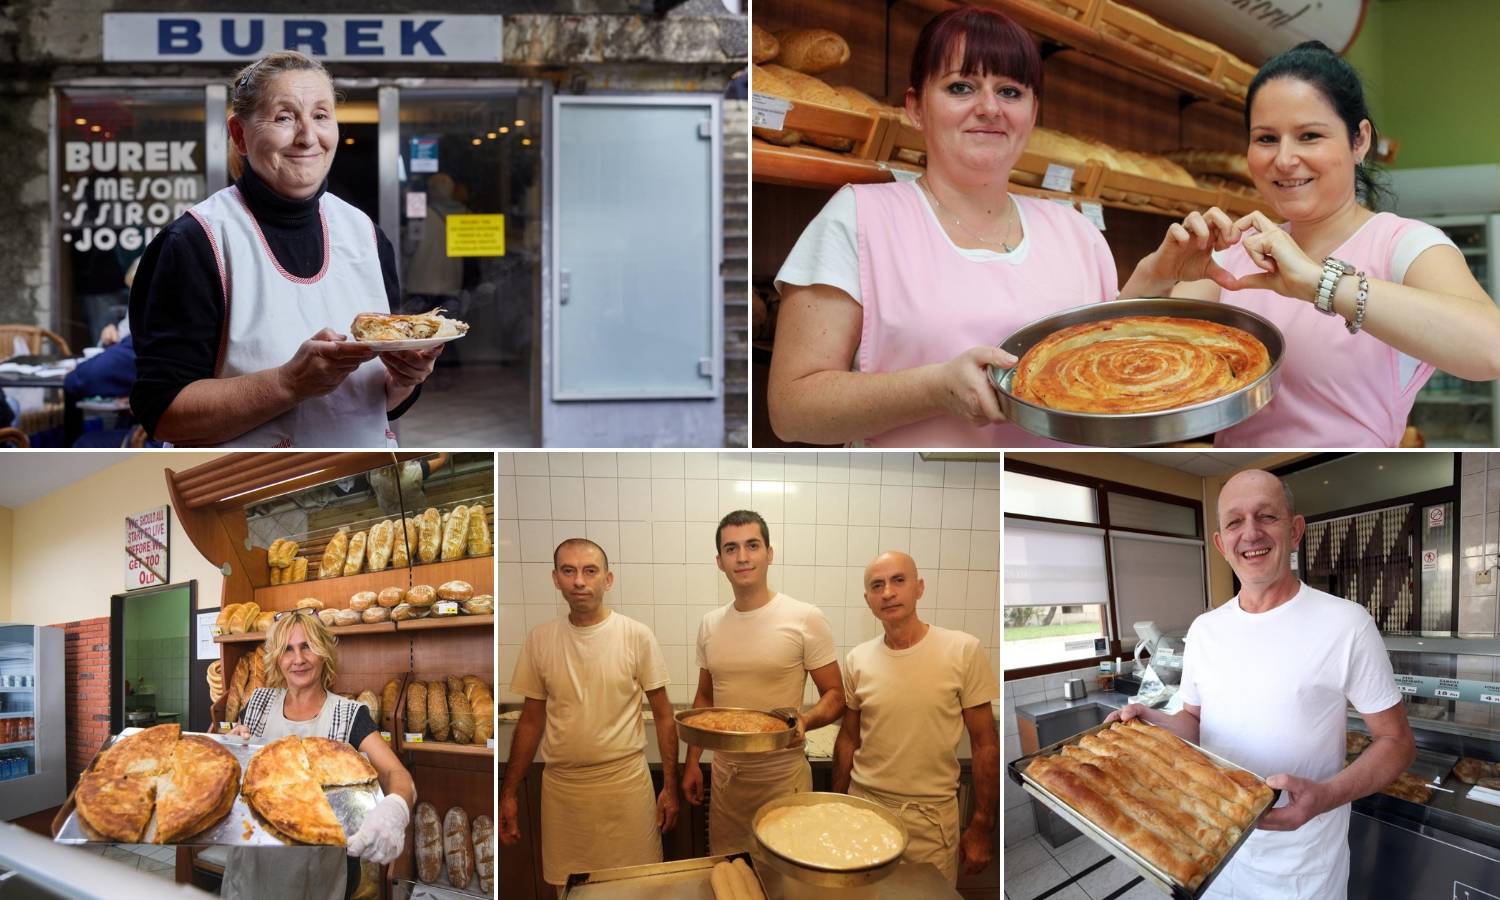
(301, 663)
(236, 306)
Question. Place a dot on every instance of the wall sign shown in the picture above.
(243, 37)
(147, 536)
(1435, 517)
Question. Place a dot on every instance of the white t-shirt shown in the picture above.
(911, 706)
(760, 659)
(593, 680)
(1274, 688)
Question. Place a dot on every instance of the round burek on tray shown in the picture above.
(735, 729)
(830, 840)
(1139, 372)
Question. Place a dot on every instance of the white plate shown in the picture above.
(411, 344)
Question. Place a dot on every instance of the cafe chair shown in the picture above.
(13, 437)
(33, 337)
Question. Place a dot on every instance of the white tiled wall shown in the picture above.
(1020, 821)
(1479, 532)
(829, 513)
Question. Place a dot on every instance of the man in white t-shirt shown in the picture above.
(583, 676)
(909, 694)
(1266, 679)
(756, 653)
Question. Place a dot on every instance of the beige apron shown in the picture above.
(598, 817)
(742, 784)
(931, 828)
(289, 873)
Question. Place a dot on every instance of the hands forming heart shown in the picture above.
(1185, 254)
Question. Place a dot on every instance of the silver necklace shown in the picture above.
(1009, 219)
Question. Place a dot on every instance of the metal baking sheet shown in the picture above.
(243, 827)
(1142, 429)
(1147, 869)
(683, 879)
(757, 742)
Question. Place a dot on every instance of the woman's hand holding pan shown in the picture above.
(321, 364)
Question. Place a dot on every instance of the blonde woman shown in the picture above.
(257, 359)
(301, 657)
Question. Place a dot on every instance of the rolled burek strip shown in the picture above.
(725, 883)
(747, 878)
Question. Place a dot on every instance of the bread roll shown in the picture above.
(455, 590)
(372, 703)
(421, 595)
(479, 532)
(403, 612)
(309, 603)
(354, 562)
(388, 698)
(298, 570)
(763, 45)
(416, 707)
(457, 847)
(382, 537)
(431, 537)
(346, 617)
(456, 533)
(328, 617)
(263, 622)
(484, 854)
(391, 597)
(362, 601)
(437, 710)
(429, 845)
(811, 50)
(479, 606)
(460, 715)
(334, 554)
(276, 575)
(375, 615)
(222, 622)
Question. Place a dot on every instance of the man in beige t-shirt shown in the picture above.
(757, 653)
(583, 676)
(910, 693)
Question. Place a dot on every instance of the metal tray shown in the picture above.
(683, 879)
(826, 876)
(1148, 870)
(758, 742)
(243, 827)
(1142, 429)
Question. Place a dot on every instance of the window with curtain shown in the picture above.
(1157, 579)
(1056, 596)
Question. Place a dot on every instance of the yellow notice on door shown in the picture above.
(476, 235)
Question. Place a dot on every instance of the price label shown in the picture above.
(1094, 212)
(1489, 698)
(768, 112)
(412, 738)
(1407, 688)
(386, 735)
(225, 727)
(490, 743)
(1058, 178)
(1446, 693)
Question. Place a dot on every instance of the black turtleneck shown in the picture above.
(177, 302)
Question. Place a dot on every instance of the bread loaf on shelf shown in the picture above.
(437, 710)
(354, 561)
(763, 45)
(430, 541)
(484, 854)
(388, 698)
(811, 50)
(429, 843)
(416, 707)
(479, 543)
(334, 555)
(460, 714)
(458, 849)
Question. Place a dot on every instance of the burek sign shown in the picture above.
(244, 37)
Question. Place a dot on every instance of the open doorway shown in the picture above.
(151, 656)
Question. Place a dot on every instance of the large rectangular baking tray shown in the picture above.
(756, 742)
(1142, 429)
(683, 879)
(1150, 872)
(242, 827)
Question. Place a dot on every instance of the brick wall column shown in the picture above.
(86, 647)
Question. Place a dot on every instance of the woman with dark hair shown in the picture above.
(896, 295)
(1370, 303)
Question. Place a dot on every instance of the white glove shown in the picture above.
(383, 833)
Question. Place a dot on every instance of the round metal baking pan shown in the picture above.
(826, 876)
(1142, 429)
(742, 742)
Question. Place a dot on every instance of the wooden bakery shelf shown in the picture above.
(439, 623)
(447, 747)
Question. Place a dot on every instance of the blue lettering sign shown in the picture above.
(299, 33)
(257, 37)
(413, 34)
(178, 37)
(362, 37)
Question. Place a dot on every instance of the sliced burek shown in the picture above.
(117, 807)
(391, 327)
(279, 762)
(148, 752)
(198, 792)
(337, 763)
(298, 810)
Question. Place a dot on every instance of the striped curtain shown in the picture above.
(1370, 558)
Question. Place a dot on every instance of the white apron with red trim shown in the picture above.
(269, 313)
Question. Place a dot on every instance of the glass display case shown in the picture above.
(32, 741)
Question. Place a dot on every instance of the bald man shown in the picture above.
(1266, 682)
(909, 695)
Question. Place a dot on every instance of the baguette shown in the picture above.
(298, 570)
(484, 854)
(437, 710)
(388, 699)
(479, 532)
(811, 50)
(429, 845)
(257, 674)
(379, 552)
(456, 533)
(354, 562)
(237, 693)
(416, 708)
(430, 539)
(334, 554)
(457, 849)
(460, 714)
